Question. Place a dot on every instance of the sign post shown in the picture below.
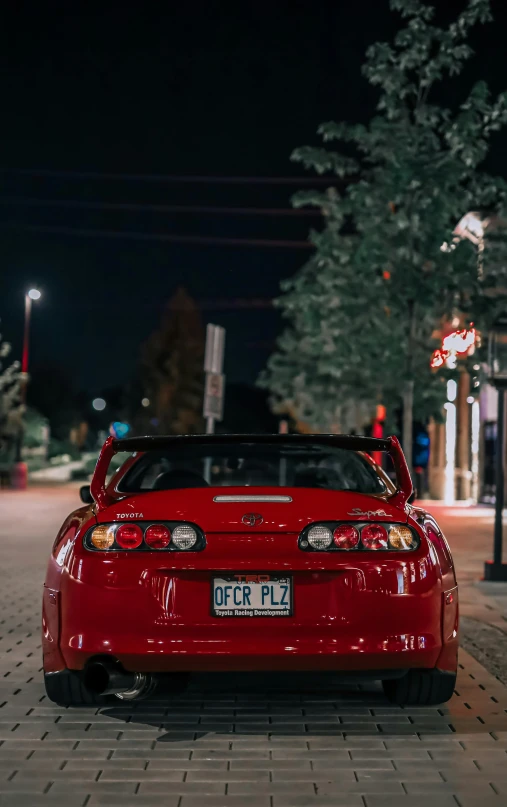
(497, 360)
(214, 387)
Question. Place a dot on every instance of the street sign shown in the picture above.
(213, 407)
(214, 396)
(214, 354)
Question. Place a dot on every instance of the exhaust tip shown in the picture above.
(96, 678)
(109, 678)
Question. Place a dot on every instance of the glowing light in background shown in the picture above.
(145, 402)
(99, 404)
(450, 451)
(119, 429)
(476, 429)
(452, 390)
(34, 294)
(457, 343)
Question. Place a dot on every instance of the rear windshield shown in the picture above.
(248, 464)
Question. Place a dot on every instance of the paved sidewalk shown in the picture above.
(483, 605)
(276, 741)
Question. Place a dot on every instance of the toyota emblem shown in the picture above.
(252, 519)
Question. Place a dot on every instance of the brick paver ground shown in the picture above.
(268, 741)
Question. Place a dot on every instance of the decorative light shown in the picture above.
(472, 227)
(450, 452)
(476, 428)
(470, 399)
(438, 359)
(99, 404)
(119, 429)
(145, 402)
(458, 343)
(452, 390)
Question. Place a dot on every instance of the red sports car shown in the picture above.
(249, 552)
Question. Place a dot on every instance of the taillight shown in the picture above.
(346, 536)
(359, 536)
(102, 537)
(401, 537)
(374, 536)
(320, 537)
(169, 536)
(157, 536)
(184, 536)
(129, 536)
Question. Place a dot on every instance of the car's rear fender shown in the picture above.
(71, 531)
(440, 551)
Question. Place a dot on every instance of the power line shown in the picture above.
(152, 208)
(177, 178)
(169, 238)
(204, 304)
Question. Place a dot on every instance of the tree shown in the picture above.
(363, 309)
(10, 404)
(171, 371)
(51, 392)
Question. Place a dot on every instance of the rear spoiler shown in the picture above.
(113, 446)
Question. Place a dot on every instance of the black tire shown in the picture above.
(66, 688)
(421, 688)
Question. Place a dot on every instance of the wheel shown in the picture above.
(66, 688)
(421, 688)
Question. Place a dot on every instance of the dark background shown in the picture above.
(218, 89)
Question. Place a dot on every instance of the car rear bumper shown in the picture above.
(381, 617)
(241, 656)
(357, 642)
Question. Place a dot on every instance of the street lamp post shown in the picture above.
(30, 296)
(19, 477)
(497, 365)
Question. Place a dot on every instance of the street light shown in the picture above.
(497, 370)
(30, 296)
(19, 477)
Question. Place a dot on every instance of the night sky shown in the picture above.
(213, 89)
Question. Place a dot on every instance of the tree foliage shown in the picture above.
(362, 311)
(10, 404)
(171, 371)
(51, 392)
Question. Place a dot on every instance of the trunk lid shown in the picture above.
(200, 506)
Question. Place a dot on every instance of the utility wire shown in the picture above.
(152, 208)
(168, 238)
(218, 304)
(181, 178)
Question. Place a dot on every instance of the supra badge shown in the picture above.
(252, 519)
(356, 511)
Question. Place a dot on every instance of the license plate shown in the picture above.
(251, 595)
